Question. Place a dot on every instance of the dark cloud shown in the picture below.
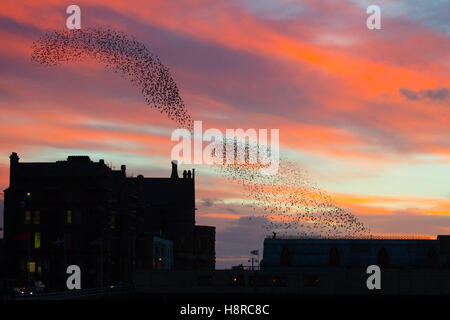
(13, 26)
(207, 205)
(230, 209)
(438, 94)
(208, 202)
(411, 95)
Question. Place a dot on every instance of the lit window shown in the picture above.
(69, 217)
(37, 240)
(37, 217)
(27, 217)
(39, 269)
(32, 266)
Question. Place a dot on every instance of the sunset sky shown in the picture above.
(365, 112)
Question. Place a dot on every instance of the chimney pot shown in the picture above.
(174, 173)
(14, 158)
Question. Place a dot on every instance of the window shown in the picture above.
(37, 240)
(27, 217)
(37, 217)
(69, 217)
(285, 257)
(31, 266)
(333, 259)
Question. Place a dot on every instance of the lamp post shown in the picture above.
(253, 260)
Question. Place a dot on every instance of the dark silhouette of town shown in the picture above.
(80, 212)
(140, 234)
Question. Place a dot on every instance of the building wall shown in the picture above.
(162, 253)
(79, 209)
(113, 220)
(204, 247)
(310, 281)
(285, 253)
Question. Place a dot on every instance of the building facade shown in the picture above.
(85, 213)
(321, 253)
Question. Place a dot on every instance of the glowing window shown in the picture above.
(32, 266)
(37, 240)
(27, 217)
(37, 217)
(69, 217)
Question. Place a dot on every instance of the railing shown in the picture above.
(237, 268)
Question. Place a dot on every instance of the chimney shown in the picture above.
(14, 161)
(14, 158)
(174, 169)
(123, 168)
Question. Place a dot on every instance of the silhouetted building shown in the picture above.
(85, 213)
(2, 260)
(160, 257)
(168, 206)
(204, 249)
(319, 253)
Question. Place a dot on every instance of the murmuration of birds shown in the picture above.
(292, 204)
(122, 54)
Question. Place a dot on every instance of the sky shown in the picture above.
(366, 113)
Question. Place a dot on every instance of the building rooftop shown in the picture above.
(364, 237)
